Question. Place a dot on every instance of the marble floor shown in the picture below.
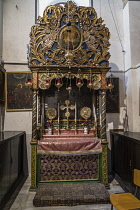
(24, 200)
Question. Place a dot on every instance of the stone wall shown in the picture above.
(1, 28)
(18, 18)
(132, 60)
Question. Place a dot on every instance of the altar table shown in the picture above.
(69, 157)
(69, 145)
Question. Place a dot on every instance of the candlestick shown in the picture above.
(58, 113)
(58, 119)
(94, 114)
(41, 120)
(75, 112)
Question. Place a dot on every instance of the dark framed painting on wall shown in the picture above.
(112, 97)
(2, 85)
(18, 94)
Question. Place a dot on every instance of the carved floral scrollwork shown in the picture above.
(84, 42)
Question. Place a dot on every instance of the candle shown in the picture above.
(75, 112)
(94, 114)
(58, 112)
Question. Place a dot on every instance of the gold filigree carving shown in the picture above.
(35, 80)
(51, 113)
(85, 112)
(42, 85)
(33, 166)
(104, 164)
(42, 77)
(103, 85)
(89, 38)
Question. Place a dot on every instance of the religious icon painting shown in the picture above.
(18, 94)
(2, 85)
(70, 37)
(112, 97)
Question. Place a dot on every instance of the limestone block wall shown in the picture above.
(1, 28)
(112, 14)
(18, 17)
(132, 60)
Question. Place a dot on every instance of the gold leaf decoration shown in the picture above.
(85, 42)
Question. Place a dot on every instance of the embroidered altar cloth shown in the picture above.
(67, 146)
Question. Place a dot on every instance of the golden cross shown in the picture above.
(67, 113)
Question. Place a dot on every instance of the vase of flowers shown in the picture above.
(50, 127)
(85, 125)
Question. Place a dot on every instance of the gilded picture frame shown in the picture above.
(2, 85)
(112, 97)
(18, 95)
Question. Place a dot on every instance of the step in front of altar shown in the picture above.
(71, 194)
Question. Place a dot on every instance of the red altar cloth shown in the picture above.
(69, 145)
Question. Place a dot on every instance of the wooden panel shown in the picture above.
(12, 171)
(5, 163)
(125, 157)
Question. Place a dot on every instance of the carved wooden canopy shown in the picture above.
(69, 36)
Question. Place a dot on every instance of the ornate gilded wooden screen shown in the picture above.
(69, 43)
(69, 36)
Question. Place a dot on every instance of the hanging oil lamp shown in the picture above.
(58, 83)
(69, 87)
(48, 84)
(79, 79)
(29, 83)
(90, 84)
(110, 85)
(79, 83)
